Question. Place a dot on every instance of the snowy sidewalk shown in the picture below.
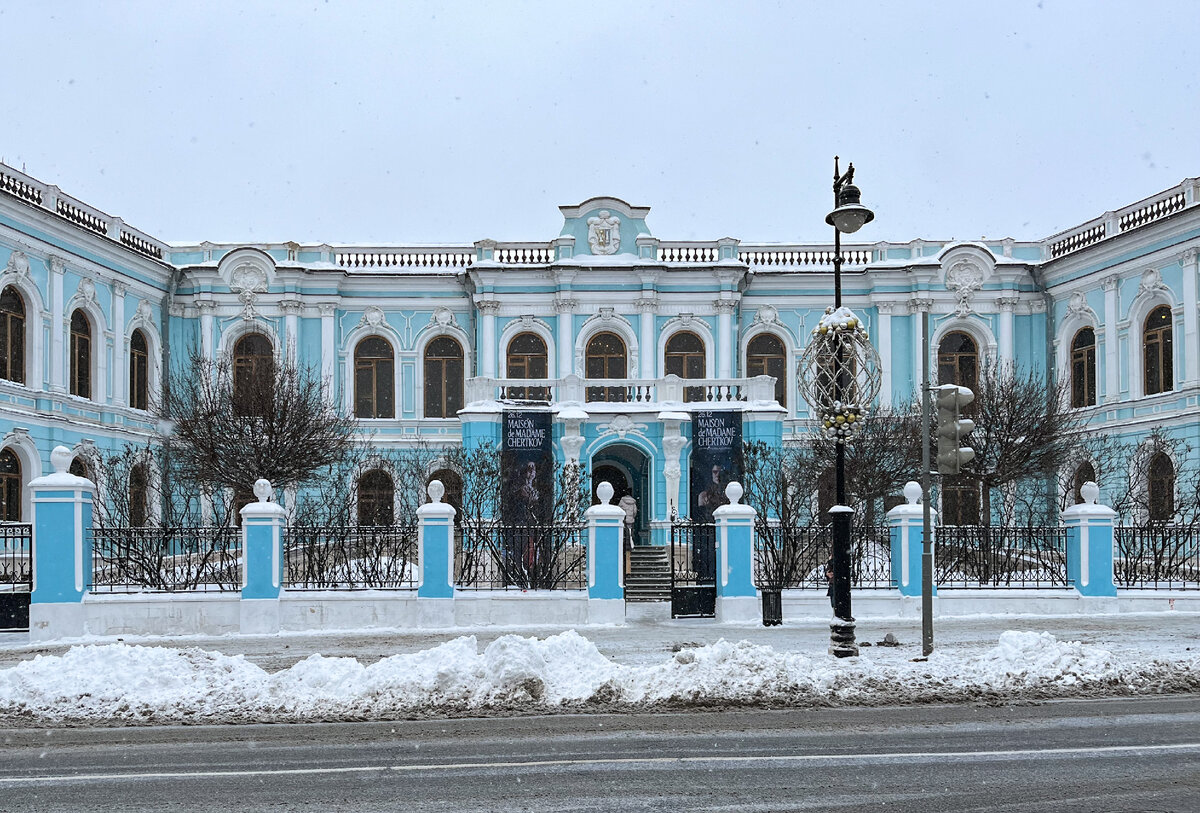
(378, 675)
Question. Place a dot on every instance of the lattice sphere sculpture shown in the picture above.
(840, 393)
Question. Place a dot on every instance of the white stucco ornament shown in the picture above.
(965, 277)
(604, 233)
(248, 277)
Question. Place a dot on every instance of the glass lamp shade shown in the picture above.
(850, 218)
(850, 215)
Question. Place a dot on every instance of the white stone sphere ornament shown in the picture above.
(840, 402)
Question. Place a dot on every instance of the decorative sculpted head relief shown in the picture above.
(604, 233)
(964, 278)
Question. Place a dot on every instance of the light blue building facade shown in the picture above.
(622, 336)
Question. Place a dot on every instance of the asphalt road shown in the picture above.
(1111, 755)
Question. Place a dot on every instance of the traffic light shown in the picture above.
(951, 457)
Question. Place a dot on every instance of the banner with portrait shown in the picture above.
(716, 460)
(527, 468)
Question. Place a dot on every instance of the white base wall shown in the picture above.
(212, 614)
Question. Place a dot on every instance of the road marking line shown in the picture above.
(552, 763)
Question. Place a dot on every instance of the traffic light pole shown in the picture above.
(927, 539)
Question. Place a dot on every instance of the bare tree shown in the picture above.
(279, 426)
(881, 457)
(1025, 433)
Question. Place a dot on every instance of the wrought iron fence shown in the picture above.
(693, 552)
(350, 557)
(16, 557)
(1157, 557)
(978, 556)
(794, 557)
(525, 557)
(169, 560)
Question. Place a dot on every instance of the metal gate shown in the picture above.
(693, 569)
(16, 574)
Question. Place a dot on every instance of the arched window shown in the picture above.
(1083, 368)
(605, 358)
(81, 468)
(374, 379)
(81, 355)
(444, 369)
(1161, 488)
(12, 336)
(138, 502)
(765, 356)
(139, 369)
(1157, 351)
(684, 357)
(376, 498)
(527, 358)
(958, 361)
(1086, 473)
(253, 374)
(10, 487)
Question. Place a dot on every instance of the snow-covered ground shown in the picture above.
(125, 683)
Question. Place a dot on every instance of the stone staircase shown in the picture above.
(649, 577)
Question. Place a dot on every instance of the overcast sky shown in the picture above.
(424, 123)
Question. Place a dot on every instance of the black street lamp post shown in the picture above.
(848, 216)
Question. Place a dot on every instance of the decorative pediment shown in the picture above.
(247, 269)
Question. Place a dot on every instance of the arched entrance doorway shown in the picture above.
(627, 469)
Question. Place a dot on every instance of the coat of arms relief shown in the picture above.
(604, 233)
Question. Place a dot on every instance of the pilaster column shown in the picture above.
(120, 376)
(724, 308)
(1111, 356)
(883, 342)
(1006, 305)
(488, 308)
(673, 443)
(920, 307)
(565, 307)
(291, 327)
(207, 310)
(58, 353)
(328, 351)
(647, 306)
(1191, 334)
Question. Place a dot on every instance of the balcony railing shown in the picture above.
(1130, 217)
(672, 388)
(51, 198)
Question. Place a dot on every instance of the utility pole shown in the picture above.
(927, 539)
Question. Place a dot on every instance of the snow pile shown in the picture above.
(135, 684)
